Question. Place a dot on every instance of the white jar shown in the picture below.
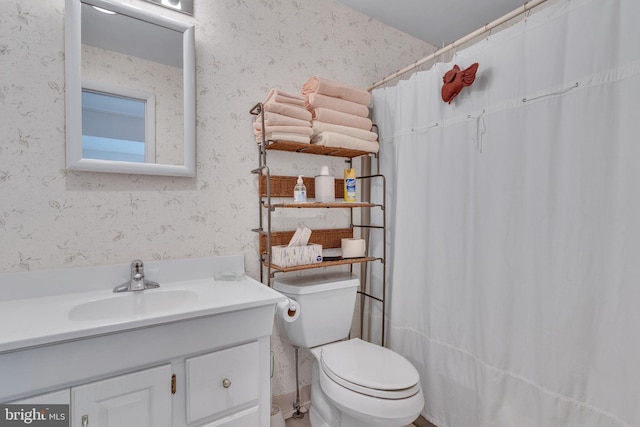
(325, 186)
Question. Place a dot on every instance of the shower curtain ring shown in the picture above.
(488, 31)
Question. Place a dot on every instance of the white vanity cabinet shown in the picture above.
(219, 382)
(222, 374)
(139, 399)
(203, 363)
(224, 388)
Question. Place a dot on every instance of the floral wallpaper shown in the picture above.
(51, 217)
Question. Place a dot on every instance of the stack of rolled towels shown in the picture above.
(339, 115)
(285, 118)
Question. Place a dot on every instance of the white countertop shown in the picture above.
(41, 320)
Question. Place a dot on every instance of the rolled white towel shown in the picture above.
(257, 129)
(339, 118)
(328, 87)
(275, 119)
(317, 100)
(319, 126)
(286, 136)
(338, 140)
(285, 97)
(290, 110)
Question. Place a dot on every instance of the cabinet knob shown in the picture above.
(226, 383)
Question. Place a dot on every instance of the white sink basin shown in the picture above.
(132, 304)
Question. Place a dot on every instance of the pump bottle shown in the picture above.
(300, 191)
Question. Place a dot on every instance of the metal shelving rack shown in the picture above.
(281, 187)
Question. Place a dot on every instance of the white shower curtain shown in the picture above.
(514, 222)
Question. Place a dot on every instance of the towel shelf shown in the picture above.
(333, 263)
(318, 205)
(300, 147)
(281, 187)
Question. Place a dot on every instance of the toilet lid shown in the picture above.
(370, 369)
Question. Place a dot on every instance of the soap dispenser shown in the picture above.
(300, 191)
(325, 186)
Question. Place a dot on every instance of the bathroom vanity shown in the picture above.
(194, 352)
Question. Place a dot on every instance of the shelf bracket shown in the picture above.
(370, 296)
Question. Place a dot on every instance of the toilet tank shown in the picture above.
(326, 307)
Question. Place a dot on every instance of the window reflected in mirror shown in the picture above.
(113, 128)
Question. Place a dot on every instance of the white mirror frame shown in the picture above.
(73, 72)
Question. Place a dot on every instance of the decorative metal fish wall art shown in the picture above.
(455, 79)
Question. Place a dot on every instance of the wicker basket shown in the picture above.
(327, 238)
(282, 186)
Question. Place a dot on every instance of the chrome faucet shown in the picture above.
(137, 281)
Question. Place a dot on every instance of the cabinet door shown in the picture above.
(139, 399)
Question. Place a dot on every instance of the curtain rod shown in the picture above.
(488, 27)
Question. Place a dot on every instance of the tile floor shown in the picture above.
(298, 423)
(305, 422)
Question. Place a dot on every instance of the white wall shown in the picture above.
(51, 218)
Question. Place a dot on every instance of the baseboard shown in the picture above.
(285, 401)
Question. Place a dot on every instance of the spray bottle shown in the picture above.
(350, 185)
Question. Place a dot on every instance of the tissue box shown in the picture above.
(284, 256)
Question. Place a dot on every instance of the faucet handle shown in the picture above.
(137, 266)
(137, 281)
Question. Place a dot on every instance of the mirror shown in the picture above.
(130, 90)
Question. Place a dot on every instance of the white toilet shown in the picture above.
(354, 383)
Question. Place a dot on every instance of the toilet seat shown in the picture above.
(369, 369)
